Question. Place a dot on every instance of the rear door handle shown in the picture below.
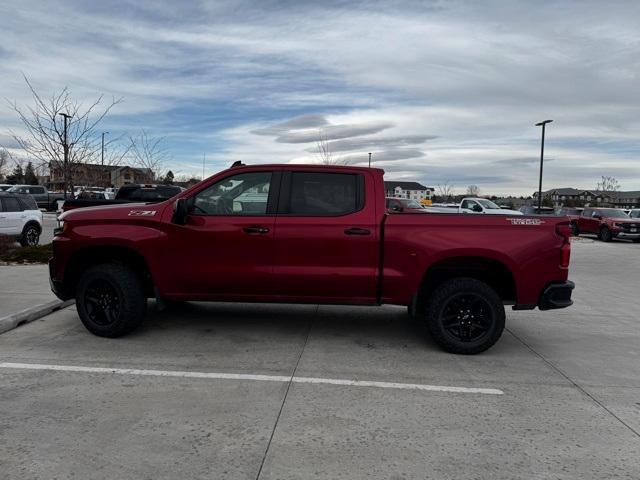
(255, 230)
(357, 231)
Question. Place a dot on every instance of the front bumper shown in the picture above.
(57, 286)
(630, 236)
(556, 295)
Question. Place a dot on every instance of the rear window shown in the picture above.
(147, 194)
(324, 194)
(27, 202)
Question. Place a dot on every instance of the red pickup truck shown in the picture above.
(309, 234)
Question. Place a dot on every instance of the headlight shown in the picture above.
(62, 226)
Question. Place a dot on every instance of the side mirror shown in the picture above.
(597, 217)
(180, 212)
(397, 208)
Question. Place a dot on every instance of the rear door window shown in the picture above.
(11, 204)
(322, 194)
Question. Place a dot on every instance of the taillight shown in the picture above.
(564, 230)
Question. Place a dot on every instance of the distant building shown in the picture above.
(576, 197)
(96, 175)
(410, 190)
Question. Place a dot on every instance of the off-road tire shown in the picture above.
(30, 235)
(130, 300)
(605, 234)
(444, 300)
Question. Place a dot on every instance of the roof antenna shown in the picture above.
(369, 159)
(237, 163)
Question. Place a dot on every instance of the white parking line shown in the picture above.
(260, 378)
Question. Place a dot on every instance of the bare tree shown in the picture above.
(323, 146)
(148, 152)
(45, 138)
(607, 184)
(445, 190)
(5, 156)
(473, 191)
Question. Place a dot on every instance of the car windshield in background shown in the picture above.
(570, 211)
(635, 214)
(613, 213)
(488, 204)
(410, 204)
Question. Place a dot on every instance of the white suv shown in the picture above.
(20, 218)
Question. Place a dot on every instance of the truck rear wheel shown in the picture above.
(110, 300)
(465, 315)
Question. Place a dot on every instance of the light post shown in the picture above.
(541, 124)
(102, 151)
(65, 148)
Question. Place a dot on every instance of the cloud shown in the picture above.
(460, 82)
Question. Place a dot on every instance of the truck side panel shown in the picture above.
(530, 250)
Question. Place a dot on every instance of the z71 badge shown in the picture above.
(142, 213)
(526, 221)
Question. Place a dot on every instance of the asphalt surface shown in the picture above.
(205, 392)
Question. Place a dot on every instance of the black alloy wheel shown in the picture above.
(605, 234)
(30, 236)
(102, 301)
(110, 300)
(467, 317)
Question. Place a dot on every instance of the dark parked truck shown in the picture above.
(607, 223)
(309, 234)
(126, 194)
(43, 197)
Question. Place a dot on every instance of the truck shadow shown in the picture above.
(369, 327)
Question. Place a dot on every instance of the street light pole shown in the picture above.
(541, 124)
(102, 154)
(65, 148)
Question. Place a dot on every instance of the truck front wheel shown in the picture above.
(110, 300)
(465, 315)
(605, 234)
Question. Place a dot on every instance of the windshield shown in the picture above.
(488, 204)
(613, 213)
(411, 204)
(635, 214)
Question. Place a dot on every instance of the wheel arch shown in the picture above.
(95, 255)
(490, 271)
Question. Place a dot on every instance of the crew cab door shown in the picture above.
(326, 242)
(225, 249)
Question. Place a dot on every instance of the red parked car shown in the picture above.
(309, 234)
(607, 223)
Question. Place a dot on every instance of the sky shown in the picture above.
(439, 92)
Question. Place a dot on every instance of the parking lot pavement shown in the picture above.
(194, 408)
(23, 286)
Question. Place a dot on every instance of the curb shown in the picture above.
(30, 314)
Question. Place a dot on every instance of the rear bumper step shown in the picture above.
(556, 295)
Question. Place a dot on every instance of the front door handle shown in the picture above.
(255, 230)
(357, 231)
